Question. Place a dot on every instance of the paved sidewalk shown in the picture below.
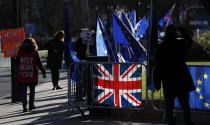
(49, 103)
(52, 109)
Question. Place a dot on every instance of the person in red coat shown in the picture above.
(28, 62)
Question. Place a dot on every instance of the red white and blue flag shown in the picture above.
(118, 85)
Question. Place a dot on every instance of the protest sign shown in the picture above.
(11, 40)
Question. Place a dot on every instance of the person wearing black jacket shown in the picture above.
(28, 63)
(83, 50)
(173, 72)
(55, 56)
(80, 49)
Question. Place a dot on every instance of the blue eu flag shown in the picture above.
(110, 36)
(200, 98)
(141, 28)
(102, 42)
(166, 20)
(162, 21)
(120, 38)
(118, 33)
(127, 22)
(69, 54)
(124, 36)
(132, 18)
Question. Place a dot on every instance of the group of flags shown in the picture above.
(119, 39)
(126, 33)
(121, 44)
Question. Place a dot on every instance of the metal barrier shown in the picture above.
(77, 86)
(107, 85)
(198, 103)
(157, 98)
(94, 85)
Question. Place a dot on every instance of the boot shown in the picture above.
(58, 87)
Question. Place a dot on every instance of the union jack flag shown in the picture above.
(118, 85)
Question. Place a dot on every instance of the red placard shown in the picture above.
(11, 40)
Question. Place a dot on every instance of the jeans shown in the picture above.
(24, 95)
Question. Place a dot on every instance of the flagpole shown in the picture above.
(88, 12)
(177, 13)
(138, 3)
(148, 48)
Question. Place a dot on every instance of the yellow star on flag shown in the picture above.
(198, 89)
(206, 104)
(106, 52)
(201, 97)
(205, 76)
(199, 82)
(100, 32)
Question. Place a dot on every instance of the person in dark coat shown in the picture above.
(173, 72)
(55, 57)
(28, 62)
(83, 50)
(92, 45)
(80, 49)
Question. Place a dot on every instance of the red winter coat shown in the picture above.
(28, 64)
(27, 67)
